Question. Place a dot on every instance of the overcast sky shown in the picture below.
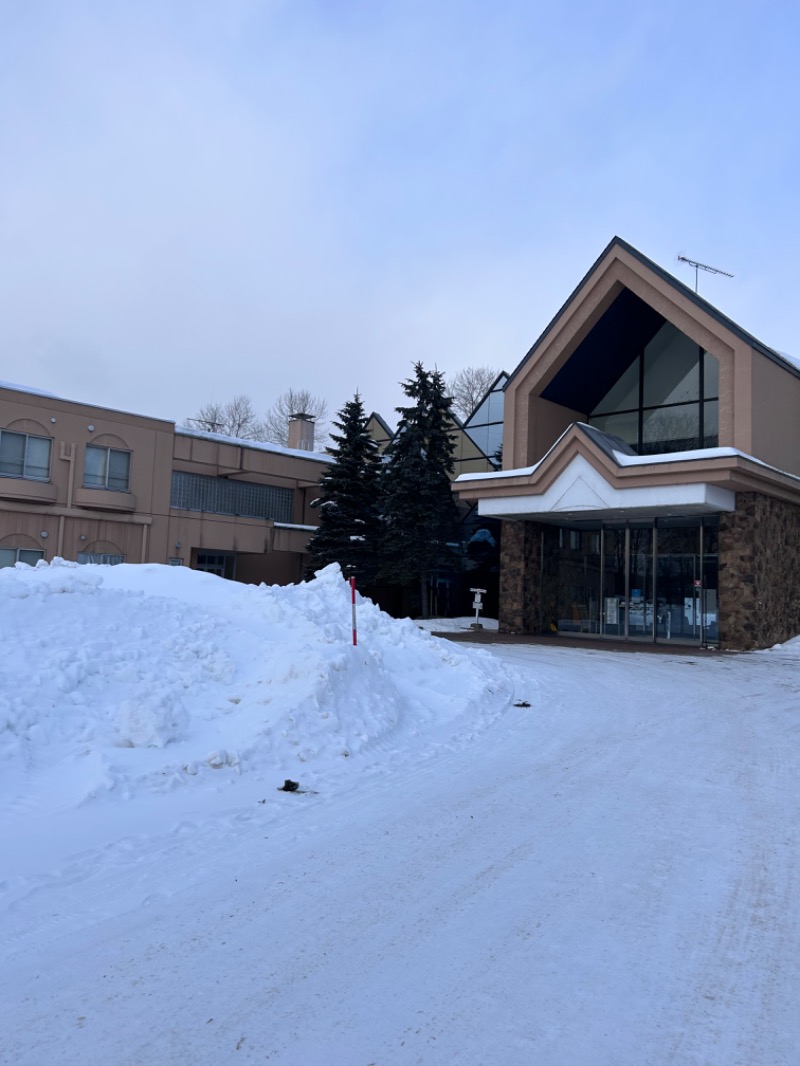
(200, 198)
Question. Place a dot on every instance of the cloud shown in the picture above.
(261, 195)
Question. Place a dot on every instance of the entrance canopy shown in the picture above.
(589, 475)
(581, 492)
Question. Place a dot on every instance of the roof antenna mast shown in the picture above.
(702, 266)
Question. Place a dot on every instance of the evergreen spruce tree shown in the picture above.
(420, 516)
(348, 504)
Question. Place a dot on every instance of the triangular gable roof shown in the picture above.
(679, 287)
(382, 423)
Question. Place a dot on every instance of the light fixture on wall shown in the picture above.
(82, 536)
(177, 544)
(90, 428)
(44, 534)
(52, 420)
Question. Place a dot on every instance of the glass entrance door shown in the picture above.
(578, 602)
(679, 582)
(655, 582)
(640, 583)
(686, 580)
(615, 595)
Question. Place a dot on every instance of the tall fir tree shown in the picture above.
(348, 531)
(420, 516)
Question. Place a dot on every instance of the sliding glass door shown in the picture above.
(615, 590)
(641, 595)
(653, 581)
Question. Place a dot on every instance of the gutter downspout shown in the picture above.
(67, 453)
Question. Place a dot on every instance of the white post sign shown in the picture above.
(477, 603)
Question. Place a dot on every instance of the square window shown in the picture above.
(24, 456)
(107, 468)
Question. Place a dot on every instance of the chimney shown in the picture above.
(301, 432)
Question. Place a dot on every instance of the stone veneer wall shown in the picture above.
(759, 572)
(520, 577)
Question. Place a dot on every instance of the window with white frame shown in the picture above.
(107, 468)
(22, 455)
(12, 556)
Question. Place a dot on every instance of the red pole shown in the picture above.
(353, 594)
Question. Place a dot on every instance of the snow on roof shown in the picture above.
(624, 459)
(793, 359)
(257, 445)
(29, 389)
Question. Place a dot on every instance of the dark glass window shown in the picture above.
(12, 556)
(107, 468)
(24, 456)
(667, 400)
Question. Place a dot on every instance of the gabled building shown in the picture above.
(650, 488)
(469, 455)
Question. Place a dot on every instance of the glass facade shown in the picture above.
(654, 581)
(667, 400)
(485, 424)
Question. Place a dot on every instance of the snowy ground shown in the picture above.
(607, 876)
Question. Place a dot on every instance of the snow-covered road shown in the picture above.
(609, 876)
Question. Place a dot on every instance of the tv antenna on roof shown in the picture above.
(702, 266)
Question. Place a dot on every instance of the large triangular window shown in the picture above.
(667, 400)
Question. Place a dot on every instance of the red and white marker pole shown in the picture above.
(353, 595)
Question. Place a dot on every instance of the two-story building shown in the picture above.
(650, 488)
(91, 484)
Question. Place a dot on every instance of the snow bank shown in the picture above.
(129, 680)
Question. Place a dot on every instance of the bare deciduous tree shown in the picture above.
(237, 417)
(295, 402)
(234, 418)
(468, 387)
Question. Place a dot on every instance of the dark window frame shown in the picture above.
(640, 411)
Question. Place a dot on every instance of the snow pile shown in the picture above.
(131, 680)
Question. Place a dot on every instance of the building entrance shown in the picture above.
(653, 581)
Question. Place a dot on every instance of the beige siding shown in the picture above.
(63, 517)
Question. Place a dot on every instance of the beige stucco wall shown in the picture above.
(547, 421)
(62, 518)
(83, 519)
(775, 403)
